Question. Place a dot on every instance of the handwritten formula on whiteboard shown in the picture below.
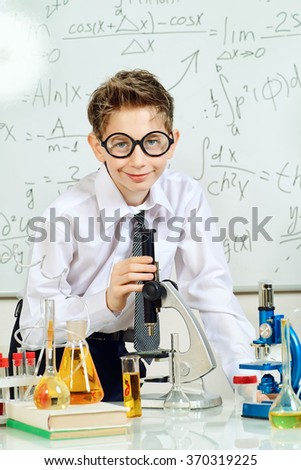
(234, 71)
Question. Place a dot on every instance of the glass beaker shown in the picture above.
(131, 385)
(51, 391)
(176, 402)
(285, 411)
(77, 368)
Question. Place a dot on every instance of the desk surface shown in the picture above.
(210, 429)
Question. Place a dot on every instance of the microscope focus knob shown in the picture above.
(153, 290)
(265, 330)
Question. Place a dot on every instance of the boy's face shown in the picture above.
(133, 175)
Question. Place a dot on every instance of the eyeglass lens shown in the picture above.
(154, 144)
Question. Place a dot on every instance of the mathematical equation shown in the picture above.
(286, 178)
(235, 77)
(14, 228)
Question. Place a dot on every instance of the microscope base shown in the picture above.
(197, 401)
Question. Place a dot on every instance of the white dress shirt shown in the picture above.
(87, 230)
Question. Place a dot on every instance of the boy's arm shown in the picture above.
(49, 276)
(52, 275)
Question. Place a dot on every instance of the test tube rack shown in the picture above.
(10, 382)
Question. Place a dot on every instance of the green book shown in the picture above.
(68, 433)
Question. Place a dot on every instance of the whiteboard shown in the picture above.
(234, 69)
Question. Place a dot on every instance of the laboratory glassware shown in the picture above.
(176, 402)
(51, 391)
(77, 368)
(285, 411)
(131, 385)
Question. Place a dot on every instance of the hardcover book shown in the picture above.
(74, 417)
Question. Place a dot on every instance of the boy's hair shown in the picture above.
(129, 88)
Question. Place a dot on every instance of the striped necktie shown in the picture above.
(142, 341)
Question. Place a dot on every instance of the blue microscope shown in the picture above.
(270, 334)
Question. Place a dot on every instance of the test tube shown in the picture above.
(17, 371)
(4, 392)
(30, 369)
(30, 362)
(22, 350)
(2, 405)
(4, 365)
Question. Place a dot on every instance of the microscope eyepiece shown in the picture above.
(266, 295)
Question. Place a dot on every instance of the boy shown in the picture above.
(84, 260)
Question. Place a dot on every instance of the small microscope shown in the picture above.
(198, 360)
(269, 335)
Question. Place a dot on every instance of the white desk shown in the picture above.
(211, 429)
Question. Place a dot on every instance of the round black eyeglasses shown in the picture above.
(153, 144)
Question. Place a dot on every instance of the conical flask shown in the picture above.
(77, 368)
(51, 392)
(285, 412)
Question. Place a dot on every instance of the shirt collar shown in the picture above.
(111, 201)
(157, 196)
(108, 196)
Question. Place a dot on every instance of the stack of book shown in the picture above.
(76, 421)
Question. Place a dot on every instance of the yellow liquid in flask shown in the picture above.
(78, 371)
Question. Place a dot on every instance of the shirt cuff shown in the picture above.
(100, 316)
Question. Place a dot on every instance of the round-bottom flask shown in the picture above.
(77, 368)
(51, 392)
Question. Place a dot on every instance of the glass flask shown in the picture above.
(176, 402)
(77, 368)
(51, 391)
(285, 412)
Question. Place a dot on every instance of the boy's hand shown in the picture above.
(125, 277)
